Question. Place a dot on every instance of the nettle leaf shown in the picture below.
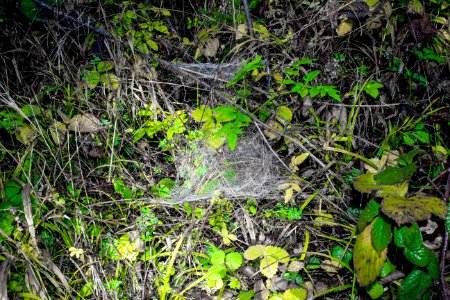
(418, 208)
(202, 114)
(395, 175)
(366, 259)
(414, 285)
(254, 252)
(233, 260)
(381, 234)
(369, 213)
(366, 183)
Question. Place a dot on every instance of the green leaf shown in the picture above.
(13, 192)
(409, 138)
(31, 110)
(365, 183)
(202, 114)
(414, 250)
(423, 136)
(246, 295)
(433, 267)
(232, 140)
(121, 188)
(6, 224)
(225, 113)
(233, 260)
(387, 269)
(311, 75)
(285, 113)
(93, 79)
(381, 234)
(394, 175)
(104, 66)
(414, 285)
(369, 213)
(375, 290)
(418, 208)
(338, 252)
(217, 256)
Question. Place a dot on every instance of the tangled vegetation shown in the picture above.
(239, 149)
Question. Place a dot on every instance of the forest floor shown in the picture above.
(171, 150)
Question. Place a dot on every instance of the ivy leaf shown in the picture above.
(418, 208)
(395, 175)
(369, 213)
(366, 260)
(381, 234)
(414, 285)
(233, 260)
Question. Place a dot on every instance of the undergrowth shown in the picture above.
(162, 150)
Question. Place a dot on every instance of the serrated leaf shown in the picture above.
(277, 253)
(375, 290)
(369, 213)
(366, 260)
(414, 285)
(418, 208)
(254, 252)
(285, 113)
(410, 238)
(394, 175)
(365, 183)
(295, 294)
(233, 260)
(381, 234)
(268, 266)
(225, 113)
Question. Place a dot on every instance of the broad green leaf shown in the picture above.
(254, 252)
(369, 213)
(375, 290)
(285, 113)
(233, 260)
(152, 44)
(414, 285)
(381, 234)
(409, 138)
(110, 80)
(365, 183)
(410, 238)
(217, 257)
(234, 283)
(6, 224)
(268, 266)
(366, 260)
(423, 136)
(418, 208)
(214, 279)
(394, 175)
(246, 295)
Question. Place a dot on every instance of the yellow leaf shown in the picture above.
(26, 134)
(84, 123)
(278, 78)
(78, 253)
(254, 252)
(345, 27)
(289, 194)
(278, 253)
(298, 160)
(330, 266)
(366, 260)
(202, 114)
(323, 219)
(295, 187)
(268, 266)
(295, 294)
(272, 135)
(365, 183)
(418, 208)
